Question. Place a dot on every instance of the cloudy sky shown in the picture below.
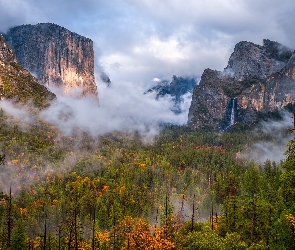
(138, 40)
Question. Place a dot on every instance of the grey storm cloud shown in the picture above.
(136, 41)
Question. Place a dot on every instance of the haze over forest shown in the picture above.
(138, 44)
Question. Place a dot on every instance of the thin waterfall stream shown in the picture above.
(232, 115)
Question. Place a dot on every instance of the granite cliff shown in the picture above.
(16, 83)
(258, 80)
(56, 56)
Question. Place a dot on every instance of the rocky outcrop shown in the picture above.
(6, 53)
(16, 83)
(105, 78)
(210, 106)
(250, 60)
(56, 56)
(177, 88)
(260, 78)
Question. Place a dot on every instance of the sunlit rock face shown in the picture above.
(56, 56)
(261, 78)
(17, 84)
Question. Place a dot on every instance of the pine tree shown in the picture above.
(18, 239)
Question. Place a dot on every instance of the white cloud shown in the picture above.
(167, 51)
(140, 40)
(273, 148)
(156, 79)
(15, 112)
(123, 107)
(136, 41)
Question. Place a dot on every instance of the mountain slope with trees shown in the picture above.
(18, 84)
(183, 191)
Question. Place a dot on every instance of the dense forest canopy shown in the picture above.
(182, 190)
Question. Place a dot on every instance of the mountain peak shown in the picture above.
(250, 60)
(55, 55)
(177, 88)
(257, 80)
(16, 83)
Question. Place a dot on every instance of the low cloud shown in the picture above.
(141, 40)
(276, 135)
(121, 107)
(17, 114)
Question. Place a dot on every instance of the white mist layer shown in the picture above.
(274, 149)
(16, 112)
(122, 107)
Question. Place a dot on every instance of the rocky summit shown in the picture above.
(258, 80)
(177, 88)
(16, 83)
(56, 56)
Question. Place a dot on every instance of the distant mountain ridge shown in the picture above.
(177, 88)
(260, 78)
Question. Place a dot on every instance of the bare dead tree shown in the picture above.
(9, 222)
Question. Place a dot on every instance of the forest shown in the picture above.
(180, 190)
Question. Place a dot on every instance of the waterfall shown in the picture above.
(232, 115)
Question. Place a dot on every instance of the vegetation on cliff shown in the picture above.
(235, 89)
(19, 85)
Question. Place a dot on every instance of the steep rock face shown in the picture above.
(260, 78)
(254, 61)
(6, 53)
(16, 83)
(209, 101)
(280, 87)
(55, 56)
